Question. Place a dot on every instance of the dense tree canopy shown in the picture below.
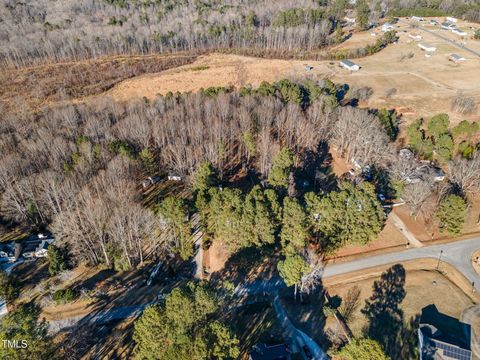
(351, 215)
(451, 213)
(362, 349)
(24, 324)
(184, 328)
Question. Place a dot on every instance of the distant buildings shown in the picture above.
(36, 246)
(174, 177)
(417, 18)
(349, 65)
(459, 32)
(427, 47)
(443, 337)
(456, 58)
(415, 37)
(387, 27)
(151, 180)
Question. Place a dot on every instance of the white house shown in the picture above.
(459, 32)
(174, 177)
(415, 37)
(387, 27)
(451, 19)
(349, 65)
(456, 58)
(427, 47)
(417, 18)
(42, 249)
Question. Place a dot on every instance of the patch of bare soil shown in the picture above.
(215, 257)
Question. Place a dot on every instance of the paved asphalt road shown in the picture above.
(457, 253)
(438, 35)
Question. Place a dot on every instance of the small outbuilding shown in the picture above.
(451, 19)
(349, 65)
(459, 32)
(387, 27)
(417, 18)
(174, 177)
(426, 47)
(456, 58)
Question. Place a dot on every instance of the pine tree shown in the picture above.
(295, 227)
(352, 215)
(292, 269)
(184, 327)
(363, 13)
(57, 260)
(174, 211)
(281, 168)
(452, 214)
(362, 349)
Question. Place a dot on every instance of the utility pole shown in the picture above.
(439, 259)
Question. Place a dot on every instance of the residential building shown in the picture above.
(459, 32)
(349, 65)
(443, 337)
(174, 177)
(456, 58)
(387, 27)
(427, 47)
(417, 18)
(415, 37)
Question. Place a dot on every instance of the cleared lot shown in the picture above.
(423, 85)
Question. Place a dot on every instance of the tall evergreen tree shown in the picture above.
(259, 219)
(174, 211)
(281, 168)
(292, 269)
(184, 327)
(295, 227)
(352, 215)
(451, 214)
(23, 324)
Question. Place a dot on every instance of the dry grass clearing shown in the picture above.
(421, 291)
(31, 88)
(424, 86)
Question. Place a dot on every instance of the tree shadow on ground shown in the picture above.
(243, 265)
(383, 311)
(317, 169)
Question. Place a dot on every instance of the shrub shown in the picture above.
(464, 104)
(64, 296)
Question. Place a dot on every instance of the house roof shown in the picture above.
(457, 57)
(426, 46)
(348, 63)
(272, 352)
(444, 334)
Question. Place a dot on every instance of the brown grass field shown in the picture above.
(424, 86)
(420, 292)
